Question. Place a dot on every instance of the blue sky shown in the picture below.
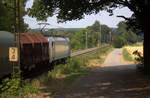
(102, 16)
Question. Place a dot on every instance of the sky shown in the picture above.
(103, 17)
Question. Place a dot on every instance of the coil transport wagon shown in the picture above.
(33, 50)
(6, 41)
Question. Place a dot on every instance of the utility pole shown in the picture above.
(86, 40)
(100, 36)
(16, 27)
(15, 14)
(19, 29)
(18, 4)
(110, 38)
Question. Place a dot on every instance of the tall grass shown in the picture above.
(138, 44)
(126, 55)
(98, 55)
(74, 66)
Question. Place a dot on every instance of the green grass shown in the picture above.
(126, 55)
(102, 52)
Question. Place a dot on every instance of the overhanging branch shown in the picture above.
(123, 17)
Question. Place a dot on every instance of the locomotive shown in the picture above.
(35, 50)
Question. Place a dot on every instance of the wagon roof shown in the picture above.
(29, 38)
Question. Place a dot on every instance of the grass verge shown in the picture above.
(98, 58)
(126, 55)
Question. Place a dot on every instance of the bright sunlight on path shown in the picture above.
(114, 80)
(114, 58)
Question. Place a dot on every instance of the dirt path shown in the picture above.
(114, 80)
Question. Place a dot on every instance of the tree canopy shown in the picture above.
(76, 9)
(124, 36)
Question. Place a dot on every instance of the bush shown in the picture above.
(10, 86)
(16, 86)
(119, 42)
(140, 58)
(73, 65)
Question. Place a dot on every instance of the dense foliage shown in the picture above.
(123, 36)
(119, 42)
(7, 17)
(16, 86)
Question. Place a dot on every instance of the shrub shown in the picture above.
(73, 65)
(10, 86)
(16, 86)
(140, 58)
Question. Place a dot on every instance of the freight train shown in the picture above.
(35, 50)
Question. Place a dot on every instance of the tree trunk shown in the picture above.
(146, 49)
(146, 28)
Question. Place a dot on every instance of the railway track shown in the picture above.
(87, 51)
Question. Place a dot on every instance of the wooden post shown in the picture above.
(86, 40)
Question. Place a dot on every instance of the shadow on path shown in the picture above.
(111, 82)
(114, 80)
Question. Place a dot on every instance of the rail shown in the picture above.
(87, 51)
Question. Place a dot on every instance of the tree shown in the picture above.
(7, 17)
(105, 33)
(5, 22)
(78, 40)
(76, 9)
(94, 33)
(126, 33)
(119, 42)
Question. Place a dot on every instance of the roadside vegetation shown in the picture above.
(134, 53)
(123, 36)
(96, 59)
(126, 55)
(15, 86)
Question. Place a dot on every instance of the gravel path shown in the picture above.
(115, 80)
